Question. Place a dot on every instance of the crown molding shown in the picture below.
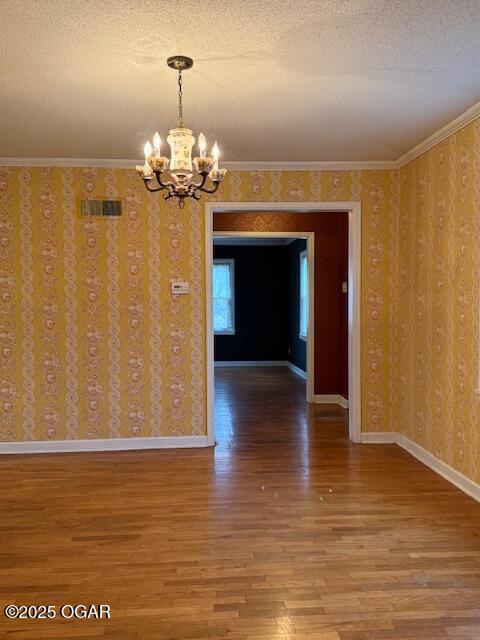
(368, 165)
(231, 166)
(452, 127)
(70, 162)
(347, 165)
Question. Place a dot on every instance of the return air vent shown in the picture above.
(101, 208)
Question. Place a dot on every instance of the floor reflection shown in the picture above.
(263, 410)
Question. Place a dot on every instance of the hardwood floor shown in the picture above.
(285, 530)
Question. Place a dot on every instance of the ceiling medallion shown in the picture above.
(179, 176)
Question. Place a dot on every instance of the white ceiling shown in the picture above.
(277, 80)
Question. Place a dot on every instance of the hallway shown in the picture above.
(285, 530)
(250, 400)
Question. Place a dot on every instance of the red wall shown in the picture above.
(331, 268)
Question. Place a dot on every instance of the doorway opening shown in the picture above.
(311, 211)
(263, 302)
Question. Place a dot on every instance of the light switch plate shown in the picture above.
(344, 287)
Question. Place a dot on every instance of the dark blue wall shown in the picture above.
(261, 304)
(298, 348)
(267, 304)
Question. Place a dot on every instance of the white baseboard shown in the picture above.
(461, 481)
(250, 363)
(378, 437)
(325, 398)
(330, 398)
(110, 444)
(453, 476)
(295, 369)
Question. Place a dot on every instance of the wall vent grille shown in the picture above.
(100, 208)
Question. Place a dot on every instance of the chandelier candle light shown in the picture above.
(185, 178)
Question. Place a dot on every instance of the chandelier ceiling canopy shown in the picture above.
(180, 176)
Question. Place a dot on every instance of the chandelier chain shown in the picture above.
(180, 95)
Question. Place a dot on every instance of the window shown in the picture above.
(303, 296)
(223, 284)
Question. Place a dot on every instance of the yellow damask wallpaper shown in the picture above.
(92, 343)
(438, 301)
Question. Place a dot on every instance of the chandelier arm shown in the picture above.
(216, 184)
(198, 185)
(163, 185)
(152, 190)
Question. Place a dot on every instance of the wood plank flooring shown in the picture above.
(284, 531)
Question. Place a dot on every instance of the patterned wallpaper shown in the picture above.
(438, 301)
(92, 343)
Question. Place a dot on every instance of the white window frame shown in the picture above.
(231, 263)
(302, 255)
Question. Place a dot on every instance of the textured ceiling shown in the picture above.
(303, 80)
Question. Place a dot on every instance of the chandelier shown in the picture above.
(179, 176)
